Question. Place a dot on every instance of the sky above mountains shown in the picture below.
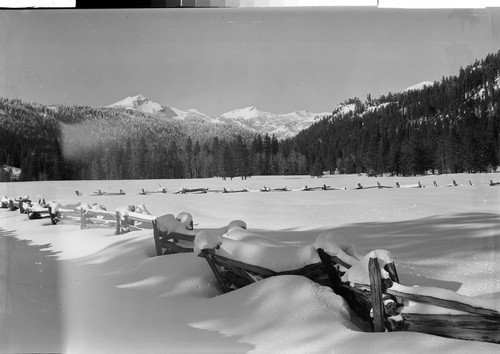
(217, 60)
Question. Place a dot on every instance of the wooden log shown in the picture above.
(83, 219)
(140, 217)
(178, 236)
(173, 247)
(53, 217)
(334, 259)
(391, 269)
(311, 271)
(162, 240)
(192, 190)
(333, 275)
(156, 236)
(376, 288)
(242, 274)
(94, 212)
(215, 270)
(232, 279)
(264, 272)
(118, 223)
(341, 262)
(359, 301)
(470, 327)
(450, 304)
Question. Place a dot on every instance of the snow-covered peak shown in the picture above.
(250, 118)
(301, 113)
(245, 113)
(281, 125)
(419, 86)
(190, 115)
(139, 103)
(140, 98)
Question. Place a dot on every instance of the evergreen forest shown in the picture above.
(449, 127)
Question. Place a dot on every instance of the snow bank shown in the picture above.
(82, 291)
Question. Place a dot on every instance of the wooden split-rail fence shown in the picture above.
(380, 305)
(166, 242)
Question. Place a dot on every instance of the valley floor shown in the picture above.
(69, 290)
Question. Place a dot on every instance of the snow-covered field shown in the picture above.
(63, 289)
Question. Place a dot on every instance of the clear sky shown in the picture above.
(216, 60)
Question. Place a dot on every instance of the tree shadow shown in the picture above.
(418, 243)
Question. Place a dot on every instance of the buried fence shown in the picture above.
(381, 302)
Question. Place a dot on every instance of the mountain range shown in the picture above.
(447, 126)
(250, 118)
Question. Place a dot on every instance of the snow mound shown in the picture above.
(260, 315)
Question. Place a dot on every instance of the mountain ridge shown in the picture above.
(251, 118)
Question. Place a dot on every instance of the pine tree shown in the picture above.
(316, 169)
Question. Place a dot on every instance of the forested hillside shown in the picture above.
(60, 142)
(448, 127)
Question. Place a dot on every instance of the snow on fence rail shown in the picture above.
(369, 284)
(159, 190)
(171, 234)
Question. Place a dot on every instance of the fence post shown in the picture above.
(82, 219)
(156, 235)
(330, 270)
(215, 270)
(118, 224)
(376, 291)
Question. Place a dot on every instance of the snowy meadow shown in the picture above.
(64, 289)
